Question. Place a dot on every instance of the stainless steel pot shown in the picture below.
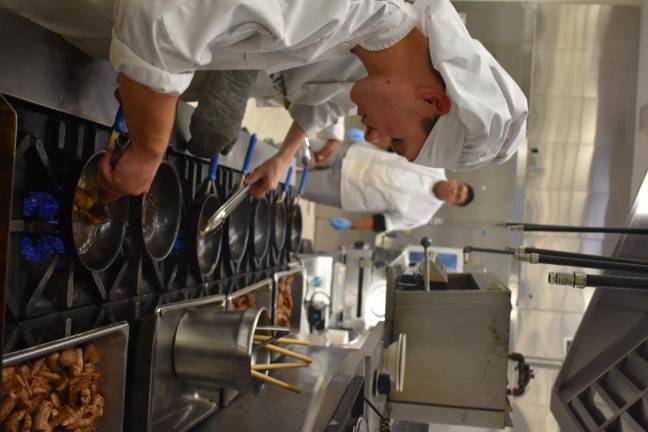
(215, 349)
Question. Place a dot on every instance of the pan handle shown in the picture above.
(286, 184)
(213, 168)
(120, 121)
(302, 182)
(248, 155)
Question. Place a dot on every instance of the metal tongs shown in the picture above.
(218, 218)
(308, 160)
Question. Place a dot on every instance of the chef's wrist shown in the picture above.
(151, 152)
(284, 156)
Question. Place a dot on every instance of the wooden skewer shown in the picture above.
(288, 341)
(278, 366)
(276, 382)
(288, 353)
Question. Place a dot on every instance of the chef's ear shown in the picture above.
(436, 98)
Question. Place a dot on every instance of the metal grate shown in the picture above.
(618, 399)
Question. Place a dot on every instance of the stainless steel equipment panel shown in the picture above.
(457, 351)
(165, 403)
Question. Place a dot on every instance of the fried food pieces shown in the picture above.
(246, 301)
(285, 304)
(53, 393)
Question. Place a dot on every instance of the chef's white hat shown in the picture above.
(487, 118)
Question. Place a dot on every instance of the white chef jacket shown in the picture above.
(160, 43)
(336, 131)
(377, 181)
(318, 94)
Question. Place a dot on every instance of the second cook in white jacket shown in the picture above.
(401, 195)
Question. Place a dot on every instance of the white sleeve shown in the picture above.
(394, 221)
(160, 43)
(319, 93)
(334, 131)
(316, 118)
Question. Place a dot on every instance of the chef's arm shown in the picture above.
(266, 176)
(149, 116)
(293, 141)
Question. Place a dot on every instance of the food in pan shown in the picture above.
(284, 308)
(54, 393)
(243, 302)
(85, 222)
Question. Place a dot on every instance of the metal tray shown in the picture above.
(298, 322)
(112, 342)
(262, 291)
(162, 402)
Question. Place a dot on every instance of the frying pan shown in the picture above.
(160, 210)
(238, 230)
(260, 228)
(97, 245)
(279, 220)
(238, 222)
(208, 246)
(295, 216)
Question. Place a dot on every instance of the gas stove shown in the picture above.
(49, 294)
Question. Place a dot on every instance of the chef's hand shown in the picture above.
(340, 223)
(129, 173)
(266, 176)
(328, 149)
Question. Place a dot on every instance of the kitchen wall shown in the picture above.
(641, 138)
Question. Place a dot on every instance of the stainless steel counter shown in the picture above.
(275, 409)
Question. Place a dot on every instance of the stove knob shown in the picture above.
(383, 384)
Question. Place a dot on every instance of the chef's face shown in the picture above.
(452, 192)
(395, 110)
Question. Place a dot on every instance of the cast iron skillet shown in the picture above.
(160, 211)
(97, 246)
(260, 228)
(208, 246)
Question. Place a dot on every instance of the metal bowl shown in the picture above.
(161, 208)
(97, 246)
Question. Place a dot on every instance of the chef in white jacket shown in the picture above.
(364, 178)
(427, 86)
